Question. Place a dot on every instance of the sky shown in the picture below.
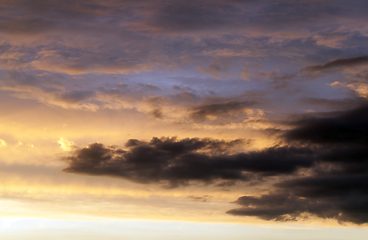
(183, 119)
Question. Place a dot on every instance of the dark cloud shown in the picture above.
(286, 206)
(338, 196)
(337, 185)
(338, 63)
(205, 198)
(122, 36)
(131, 37)
(339, 104)
(346, 127)
(325, 165)
(270, 207)
(176, 162)
(157, 113)
(76, 96)
(206, 15)
(188, 16)
(218, 110)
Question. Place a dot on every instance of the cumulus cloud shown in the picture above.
(176, 162)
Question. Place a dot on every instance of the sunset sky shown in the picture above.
(206, 119)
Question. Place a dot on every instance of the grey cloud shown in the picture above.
(346, 127)
(342, 62)
(284, 206)
(336, 196)
(271, 207)
(148, 87)
(204, 198)
(183, 16)
(218, 110)
(337, 183)
(338, 104)
(76, 96)
(236, 15)
(122, 37)
(157, 113)
(331, 148)
(215, 70)
(177, 162)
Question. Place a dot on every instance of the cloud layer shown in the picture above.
(268, 97)
(337, 184)
(326, 163)
(176, 162)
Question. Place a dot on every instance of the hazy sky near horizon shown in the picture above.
(237, 111)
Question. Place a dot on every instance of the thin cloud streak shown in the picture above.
(343, 62)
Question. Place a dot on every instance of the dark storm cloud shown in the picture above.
(270, 207)
(343, 197)
(176, 162)
(338, 183)
(347, 127)
(338, 63)
(218, 110)
(285, 206)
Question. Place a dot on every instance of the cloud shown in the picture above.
(338, 104)
(174, 105)
(339, 63)
(215, 70)
(156, 113)
(65, 144)
(336, 185)
(346, 127)
(284, 206)
(205, 198)
(256, 40)
(334, 40)
(76, 96)
(3, 143)
(128, 37)
(336, 196)
(321, 170)
(188, 16)
(217, 110)
(177, 162)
